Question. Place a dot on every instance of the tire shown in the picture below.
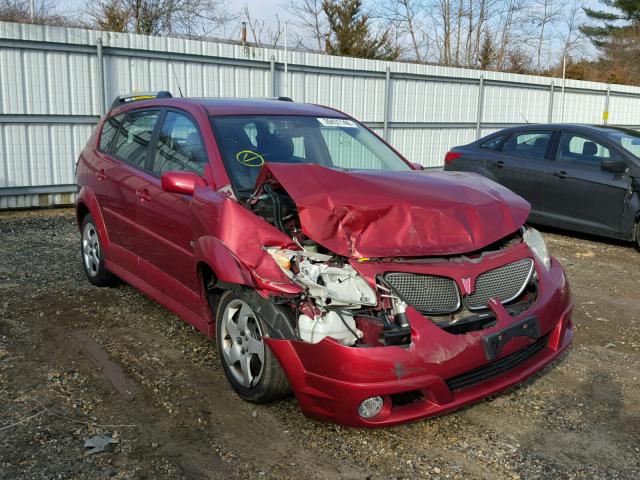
(249, 365)
(637, 234)
(92, 256)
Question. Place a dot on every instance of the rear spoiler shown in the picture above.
(134, 97)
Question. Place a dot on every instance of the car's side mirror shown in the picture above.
(614, 166)
(184, 183)
(417, 166)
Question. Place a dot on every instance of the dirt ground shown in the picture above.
(77, 361)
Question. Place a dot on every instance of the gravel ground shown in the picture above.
(78, 361)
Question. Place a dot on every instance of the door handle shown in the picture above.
(498, 164)
(561, 174)
(102, 175)
(143, 195)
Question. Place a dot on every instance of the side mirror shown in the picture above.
(184, 183)
(614, 166)
(417, 166)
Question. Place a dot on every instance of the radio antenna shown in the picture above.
(175, 76)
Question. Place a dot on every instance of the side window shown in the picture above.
(179, 146)
(346, 151)
(582, 151)
(109, 130)
(493, 143)
(134, 137)
(527, 144)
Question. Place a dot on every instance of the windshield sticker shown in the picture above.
(337, 122)
(250, 158)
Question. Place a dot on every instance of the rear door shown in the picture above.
(164, 218)
(581, 195)
(521, 164)
(121, 170)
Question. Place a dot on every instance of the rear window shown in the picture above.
(527, 144)
(109, 130)
(493, 143)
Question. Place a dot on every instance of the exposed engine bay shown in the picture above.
(339, 303)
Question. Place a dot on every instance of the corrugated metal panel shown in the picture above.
(428, 146)
(53, 73)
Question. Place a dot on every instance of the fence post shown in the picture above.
(387, 98)
(551, 95)
(480, 106)
(605, 114)
(272, 69)
(101, 82)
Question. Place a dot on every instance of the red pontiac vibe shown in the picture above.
(321, 261)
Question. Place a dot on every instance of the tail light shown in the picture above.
(451, 156)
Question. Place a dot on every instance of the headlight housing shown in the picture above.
(535, 242)
(328, 285)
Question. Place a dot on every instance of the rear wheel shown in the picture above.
(249, 365)
(92, 254)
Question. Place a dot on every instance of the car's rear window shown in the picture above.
(493, 143)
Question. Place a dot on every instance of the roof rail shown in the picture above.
(280, 99)
(133, 97)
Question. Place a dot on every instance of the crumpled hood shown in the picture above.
(394, 214)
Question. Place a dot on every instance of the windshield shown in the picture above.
(627, 139)
(247, 142)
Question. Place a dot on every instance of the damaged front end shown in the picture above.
(384, 339)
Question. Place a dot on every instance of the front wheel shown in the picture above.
(249, 365)
(92, 254)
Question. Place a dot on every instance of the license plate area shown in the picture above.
(494, 342)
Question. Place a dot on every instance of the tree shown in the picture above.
(311, 20)
(263, 35)
(350, 35)
(487, 52)
(190, 18)
(617, 36)
(44, 13)
(545, 14)
(624, 17)
(110, 15)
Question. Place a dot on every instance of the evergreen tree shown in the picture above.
(350, 33)
(487, 52)
(623, 18)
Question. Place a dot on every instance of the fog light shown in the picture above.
(370, 407)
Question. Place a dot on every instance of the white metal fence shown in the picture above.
(56, 82)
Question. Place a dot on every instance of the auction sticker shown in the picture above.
(337, 122)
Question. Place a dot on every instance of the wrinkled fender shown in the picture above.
(87, 198)
(219, 258)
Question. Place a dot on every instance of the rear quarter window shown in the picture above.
(492, 143)
(109, 130)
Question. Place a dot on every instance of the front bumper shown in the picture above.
(330, 380)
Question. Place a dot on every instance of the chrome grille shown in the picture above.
(440, 295)
(503, 283)
(426, 293)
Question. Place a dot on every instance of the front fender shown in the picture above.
(224, 264)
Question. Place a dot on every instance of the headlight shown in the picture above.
(329, 285)
(535, 242)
